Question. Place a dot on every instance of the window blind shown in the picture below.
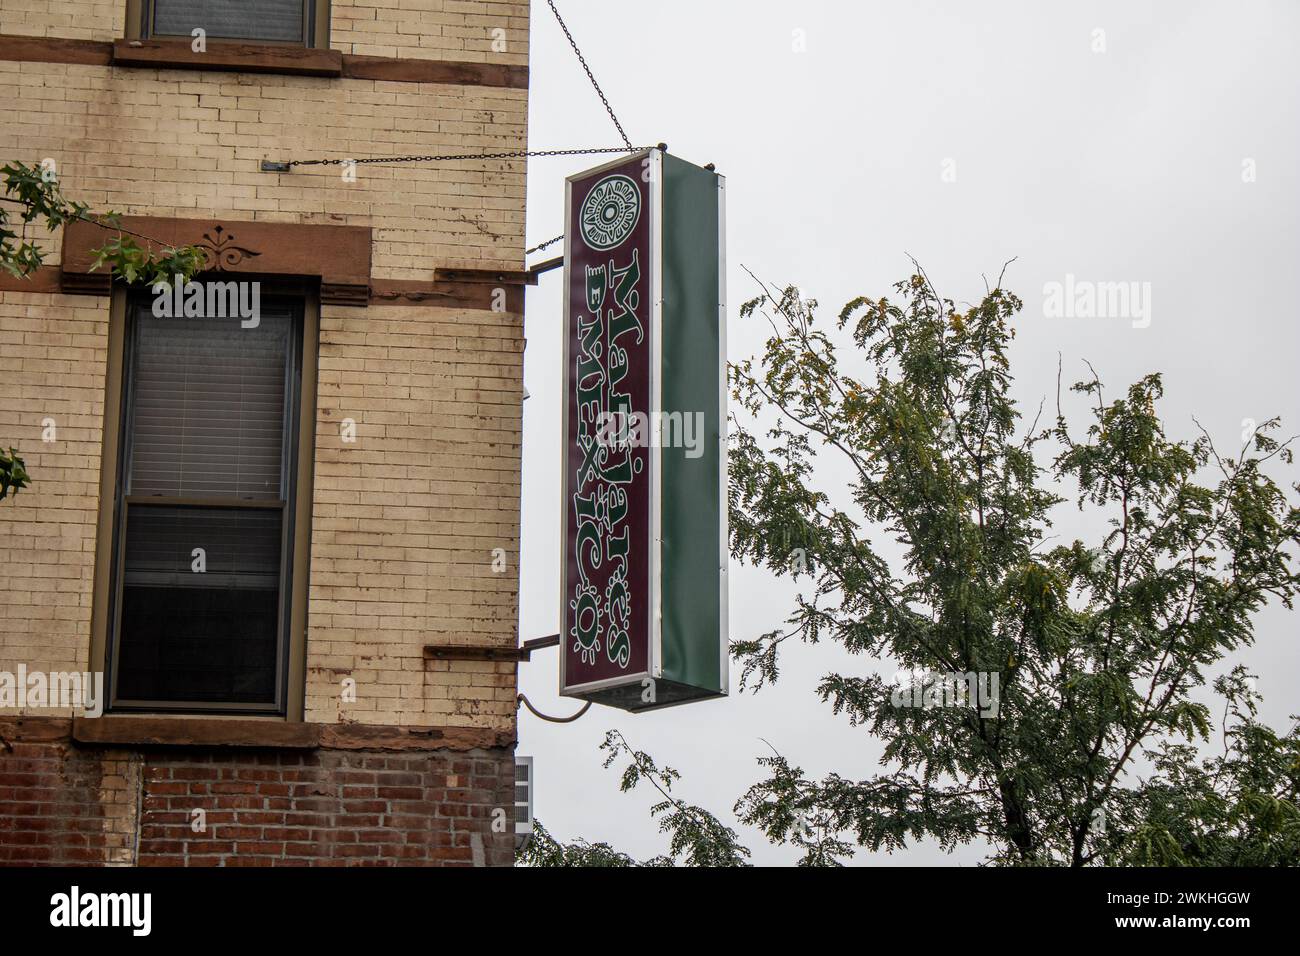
(274, 20)
(207, 414)
(241, 546)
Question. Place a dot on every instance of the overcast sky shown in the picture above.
(965, 134)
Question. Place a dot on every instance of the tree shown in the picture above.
(544, 850)
(1047, 703)
(697, 838)
(35, 190)
(1237, 809)
(1091, 652)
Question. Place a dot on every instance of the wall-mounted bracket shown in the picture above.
(459, 652)
(546, 266)
(496, 276)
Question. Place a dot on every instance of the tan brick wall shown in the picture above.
(467, 30)
(84, 20)
(119, 794)
(406, 519)
(440, 29)
(52, 361)
(186, 144)
(407, 515)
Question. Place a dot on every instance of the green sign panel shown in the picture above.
(644, 559)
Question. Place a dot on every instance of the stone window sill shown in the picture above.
(238, 57)
(271, 733)
(194, 732)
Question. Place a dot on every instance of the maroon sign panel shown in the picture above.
(605, 633)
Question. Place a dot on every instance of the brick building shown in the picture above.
(254, 531)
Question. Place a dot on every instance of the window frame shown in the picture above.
(316, 27)
(297, 453)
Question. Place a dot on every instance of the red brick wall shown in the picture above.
(327, 807)
(63, 803)
(64, 807)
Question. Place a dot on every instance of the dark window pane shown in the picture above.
(200, 637)
(208, 406)
(275, 20)
(198, 646)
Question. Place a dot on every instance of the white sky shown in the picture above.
(1118, 166)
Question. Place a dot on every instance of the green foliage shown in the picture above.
(13, 473)
(696, 837)
(126, 259)
(1236, 809)
(544, 850)
(1097, 648)
(36, 191)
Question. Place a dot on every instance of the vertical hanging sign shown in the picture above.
(643, 563)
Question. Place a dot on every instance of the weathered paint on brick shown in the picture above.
(405, 519)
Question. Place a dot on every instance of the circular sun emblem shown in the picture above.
(610, 212)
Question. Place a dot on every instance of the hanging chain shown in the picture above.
(450, 157)
(583, 60)
(510, 154)
(539, 248)
(514, 153)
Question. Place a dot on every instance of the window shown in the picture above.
(208, 533)
(296, 22)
